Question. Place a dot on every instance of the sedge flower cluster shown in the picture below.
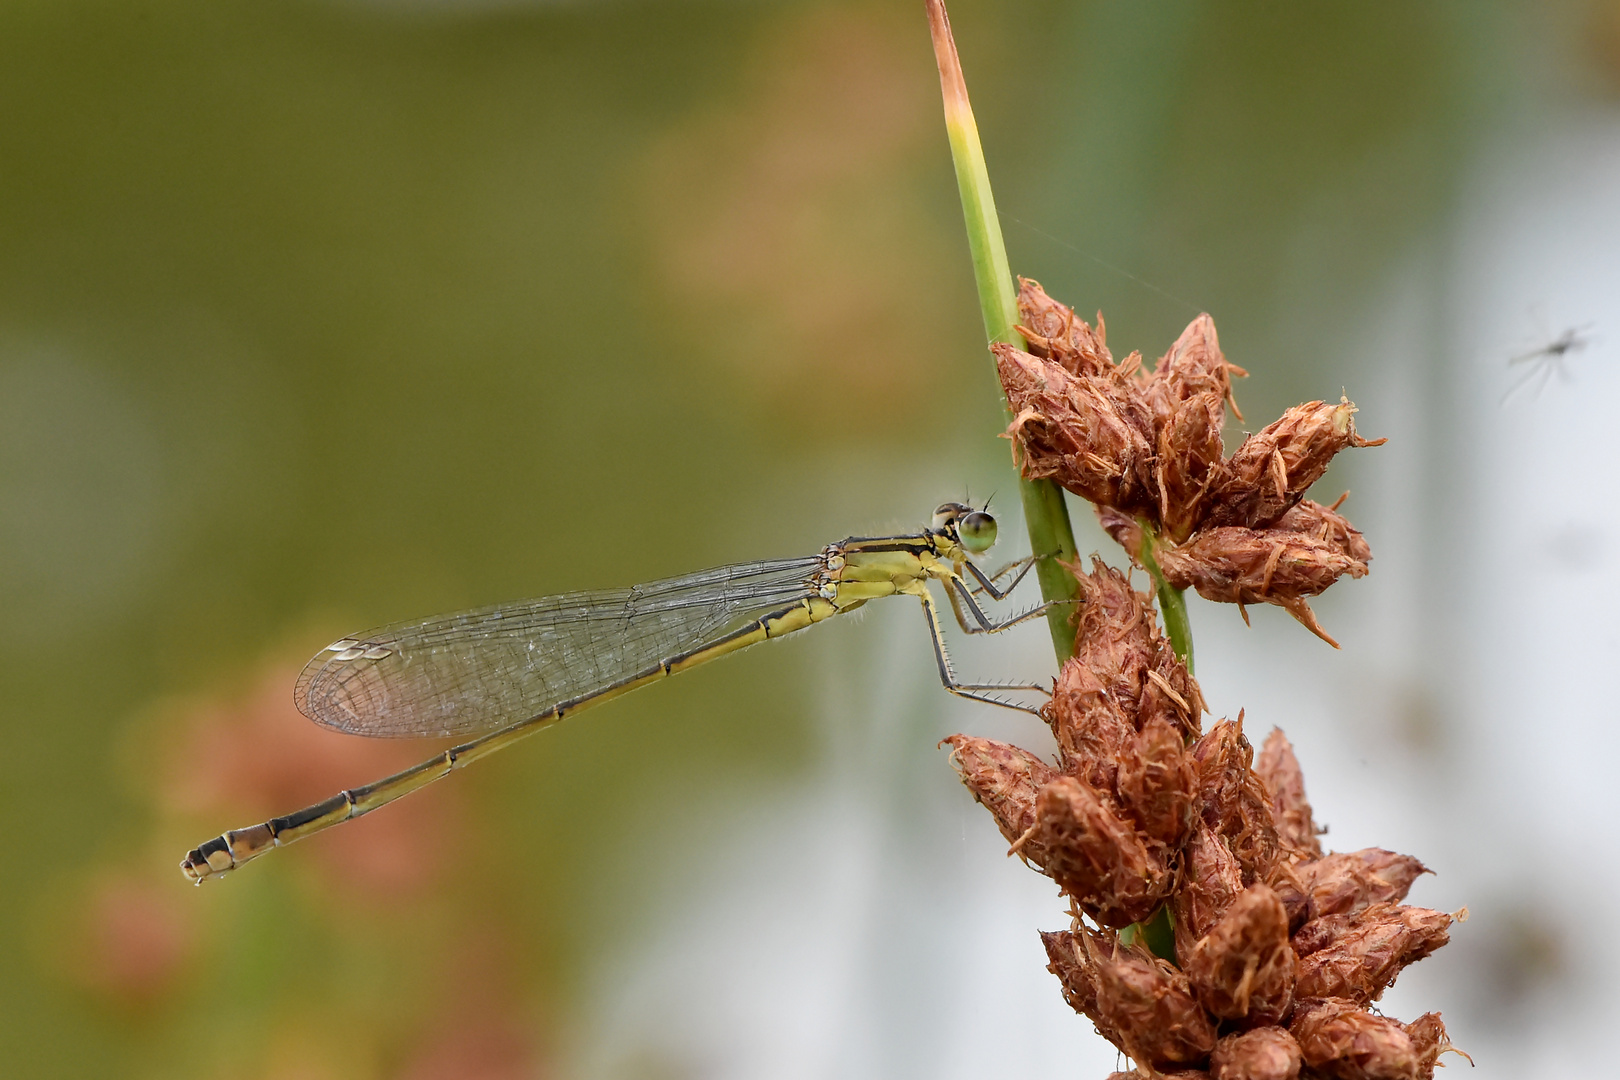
(1146, 448)
(1279, 948)
(1267, 953)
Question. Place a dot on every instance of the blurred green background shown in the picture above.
(316, 316)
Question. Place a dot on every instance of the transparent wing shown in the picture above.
(476, 671)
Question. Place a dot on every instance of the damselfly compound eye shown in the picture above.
(977, 531)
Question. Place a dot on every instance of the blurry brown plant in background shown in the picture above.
(454, 1005)
(126, 942)
(1145, 447)
(783, 213)
(256, 756)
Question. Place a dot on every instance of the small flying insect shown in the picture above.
(497, 674)
(1543, 362)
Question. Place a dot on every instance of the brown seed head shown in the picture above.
(1054, 332)
(1233, 800)
(1267, 1053)
(1240, 566)
(1151, 1005)
(1189, 465)
(1123, 675)
(1356, 957)
(1158, 784)
(1186, 396)
(1280, 770)
(1089, 433)
(1150, 445)
(1097, 857)
(1210, 882)
(1090, 725)
(1308, 548)
(1193, 366)
(1326, 524)
(1274, 467)
(1118, 638)
(1002, 777)
(1171, 694)
(1428, 1035)
(1348, 882)
(1243, 969)
(1073, 966)
(1339, 1040)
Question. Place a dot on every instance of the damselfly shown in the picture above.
(500, 673)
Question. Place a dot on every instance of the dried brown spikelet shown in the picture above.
(1339, 1040)
(1078, 975)
(1194, 365)
(1235, 565)
(1189, 465)
(1118, 638)
(1089, 433)
(1307, 550)
(1186, 395)
(1056, 333)
(1267, 1053)
(1319, 933)
(1368, 950)
(1243, 969)
(1096, 856)
(1211, 879)
(1345, 883)
(1285, 882)
(1090, 725)
(1233, 801)
(1429, 1037)
(1171, 694)
(1290, 810)
(1125, 529)
(1151, 1005)
(1004, 778)
(1157, 783)
(1274, 467)
(1123, 675)
(1327, 525)
(1327, 930)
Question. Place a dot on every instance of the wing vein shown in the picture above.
(479, 670)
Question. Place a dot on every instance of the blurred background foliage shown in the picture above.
(320, 315)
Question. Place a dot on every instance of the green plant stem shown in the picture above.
(1045, 514)
(1172, 601)
(1157, 932)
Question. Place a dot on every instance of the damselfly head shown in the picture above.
(974, 529)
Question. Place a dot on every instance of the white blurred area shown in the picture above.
(866, 923)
